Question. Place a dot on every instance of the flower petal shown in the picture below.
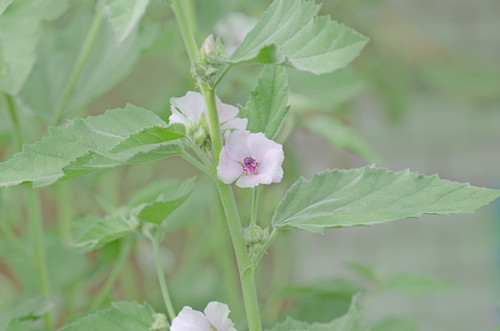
(225, 111)
(271, 164)
(218, 315)
(235, 123)
(253, 180)
(190, 320)
(228, 169)
(258, 145)
(236, 145)
(190, 107)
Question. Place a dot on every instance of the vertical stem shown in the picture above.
(125, 250)
(64, 211)
(161, 280)
(187, 34)
(39, 254)
(80, 63)
(255, 203)
(15, 121)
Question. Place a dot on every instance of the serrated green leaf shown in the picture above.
(341, 136)
(151, 136)
(365, 196)
(107, 64)
(291, 32)
(267, 107)
(96, 232)
(347, 322)
(121, 316)
(157, 211)
(70, 150)
(20, 32)
(124, 15)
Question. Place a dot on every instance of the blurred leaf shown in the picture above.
(328, 92)
(266, 108)
(67, 151)
(108, 63)
(20, 32)
(96, 232)
(291, 32)
(417, 284)
(124, 15)
(395, 324)
(25, 312)
(365, 196)
(365, 271)
(336, 287)
(347, 322)
(151, 191)
(341, 136)
(121, 316)
(165, 204)
(4, 4)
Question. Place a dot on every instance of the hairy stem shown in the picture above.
(161, 280)
(80, 63)
(39, 253)
(184, 26)
(125, 250)
(255, 203)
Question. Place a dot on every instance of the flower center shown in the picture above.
(249, 165)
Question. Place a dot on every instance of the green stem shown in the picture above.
(196, 163)
(268, 243)
(39, 253)
(187, 34)
(80, 63)
(161, 280)
(245, 266)
(115, 273)
(64, 211)
(255, 203)
(15, 121)
(11, 236)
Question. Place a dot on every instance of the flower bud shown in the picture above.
(209, 45)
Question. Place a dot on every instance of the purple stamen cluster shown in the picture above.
(250, 165)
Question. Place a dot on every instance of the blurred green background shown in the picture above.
(424, 95)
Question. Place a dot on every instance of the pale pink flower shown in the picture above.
(250, 159)
(189, 109)
(216, 315)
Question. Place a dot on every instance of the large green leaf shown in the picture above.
(124, 15)
(70, 150)
(347, 322)
(267, 107)
(341, 136)
(364, 196)
(121, 316)
(291, 32)
(108, 63)
(20, 32)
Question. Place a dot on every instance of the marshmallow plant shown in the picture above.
(237, 148)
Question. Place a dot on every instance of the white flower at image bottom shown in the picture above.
(216, 315)
(188, 110)
(250, 159)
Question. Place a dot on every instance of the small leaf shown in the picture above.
(96, 232)
(290, 31)
(27, 311)
(267, 107)
(20, 32)
(157, 211)
(121, 316)
(124, 15)
(347, 322)
(365, 196)
(69, 151)
(341, 136)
